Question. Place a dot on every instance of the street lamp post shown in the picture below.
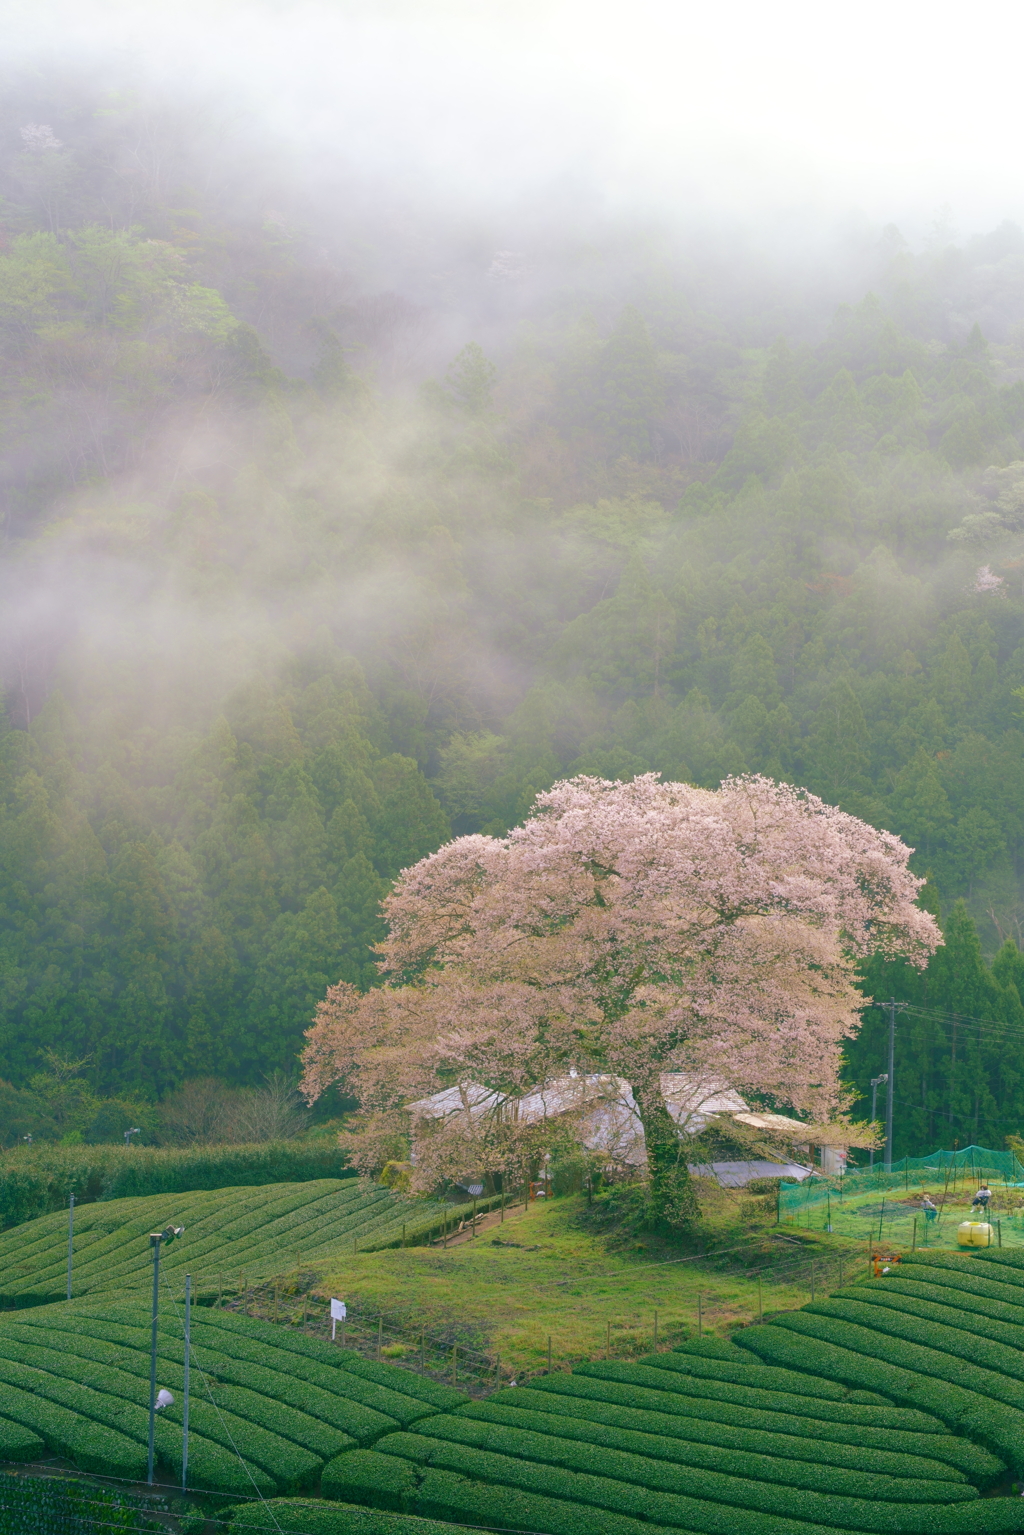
(875, 1083)
(156, 1241)
(129, 1133)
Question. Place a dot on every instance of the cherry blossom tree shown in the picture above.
(632, 929)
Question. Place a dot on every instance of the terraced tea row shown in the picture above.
(835, 1418)
(268, 1408)
(256, 1231)
(772, 1433)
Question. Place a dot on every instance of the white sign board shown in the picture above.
(338, 1314)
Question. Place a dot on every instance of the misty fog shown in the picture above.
(405, 407)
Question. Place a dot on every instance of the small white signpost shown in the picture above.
(338, 1314)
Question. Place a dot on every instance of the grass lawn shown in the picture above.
(541, 1275)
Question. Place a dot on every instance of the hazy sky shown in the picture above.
(886, 110)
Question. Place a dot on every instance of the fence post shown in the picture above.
(813, 1277)
(913, 1240)
(549, 1353)
(760, 1302)
(840, 1271)
(455, 1363)
(608, 1340)
(502, 1221)
(700, 1314)
(999, 1233)
(655, 1332)
(423, 1348)
(380, 1335)
(403, 1233)
(474, 1217)
(245, 1296)
(881, 1218)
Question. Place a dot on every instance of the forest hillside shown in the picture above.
(313, 557)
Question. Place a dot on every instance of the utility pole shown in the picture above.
(71, 1238)
(893, 1007)
(874, 1112)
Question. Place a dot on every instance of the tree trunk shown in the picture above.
(671, 1199)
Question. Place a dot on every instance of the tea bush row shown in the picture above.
(299, 1516)
(451, 1481)
(962, 1306)
(116, 1398)
(227, 1233)
(908, 1341)
(697, 1434)
(627, 1389)
(35, 1180)
(976, 1463)
(766, 1378)
(680, 1466)
(864, 1358)
(988, 1345)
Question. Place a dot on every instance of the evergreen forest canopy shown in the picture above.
(289, 598)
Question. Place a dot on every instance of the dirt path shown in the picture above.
(466, 1233)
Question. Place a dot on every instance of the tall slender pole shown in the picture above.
(874, 1115)
(188, 1358)
(154, 1242)
(891, 1004)
(71, 1236)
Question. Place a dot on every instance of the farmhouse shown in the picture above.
(610, 1122)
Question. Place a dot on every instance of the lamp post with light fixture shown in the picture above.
(156, 1241)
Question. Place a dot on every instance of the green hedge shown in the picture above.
(976, 1463)
(91, 1445)
(684, 1396)
(397, 1379)
(722, 1505)
(767, 1379)
(57, 1505)
(439, 1494)
(966, 1303)
(297, 1516)
(692, 1469)
(18, 1442)
(1010, 1257)
(229, 1231)
(868, 1358)
(944, 1353)
(955, 1330)
(362, 1377)
(115, 1398)
(956, 1282)
(709, 1348)
(37, 1179)
(690, 1433)
(327, 1414)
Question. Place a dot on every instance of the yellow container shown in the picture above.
(974, 1234)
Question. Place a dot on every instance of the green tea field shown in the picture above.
(895, 1405)
(229, 1233)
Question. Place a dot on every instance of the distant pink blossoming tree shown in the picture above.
(631, 929)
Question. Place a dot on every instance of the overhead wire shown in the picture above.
(216, 1407)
